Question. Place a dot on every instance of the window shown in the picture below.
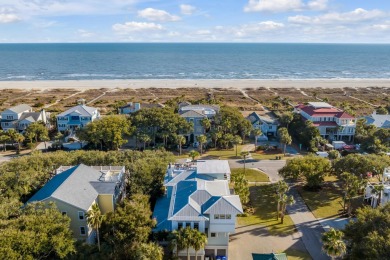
(222, 216)
(75, 118)
(196, 225)
(270, 127)
(216, 216)
(63, 213)
(213, 234)
(188, 224)
(83, 232)
(206, 231)
(180, 225)
(81, 215)
(228, 216)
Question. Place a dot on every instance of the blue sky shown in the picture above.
(343, 21)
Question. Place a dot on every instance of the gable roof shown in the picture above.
(78, 186)
(81, 109)
(20, 108)
(192, 113)
(30, 116)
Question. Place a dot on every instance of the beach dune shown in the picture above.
(196, 83)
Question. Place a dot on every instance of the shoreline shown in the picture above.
(195, 83)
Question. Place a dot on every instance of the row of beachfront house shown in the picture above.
(333, 123)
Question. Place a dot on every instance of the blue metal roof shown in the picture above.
(183, 191)
(210, 202)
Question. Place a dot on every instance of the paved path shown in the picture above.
(4, 159)
(309, 228)
(257, 239)
(335, 222)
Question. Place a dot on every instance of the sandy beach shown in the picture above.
(196, 83)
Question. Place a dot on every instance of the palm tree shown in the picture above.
(193, 154)
(205, 122)
(284, 201)
(186, 239)
(236, 141)
(4, 138)
(202, 139)
(199, 240)
(333, 245)
(244, 154)
(19, 138)
(215, 135)
(256, 133)
(281, 189)
(95, 219)
(180, 141)
(145, 138)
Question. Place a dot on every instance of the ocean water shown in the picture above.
(21, 62)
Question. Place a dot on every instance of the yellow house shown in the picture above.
(75, 188)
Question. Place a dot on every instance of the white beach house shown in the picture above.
(198, 196)
(20, 117)
(76, 117)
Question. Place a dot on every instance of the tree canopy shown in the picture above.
(368, 237)
(312, 168)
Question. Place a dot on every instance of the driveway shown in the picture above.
(270, 167)
(257, 239)
(309, 228)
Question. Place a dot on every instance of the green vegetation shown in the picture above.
(326, 202)
(368, 236)
(264, 201)
(37, 231)
(162, 123)
(187, 238)
(108, 131)
(252, 175)
(283, 200)
(294, 254)
(360, 165)
(333, 244)
(372, 139)
(304, 132)
(312, 169)
(241, 187)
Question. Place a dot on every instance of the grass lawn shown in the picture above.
(327, 202)
(252, 175)
(224, 154)
(264, 201)
(294, 254)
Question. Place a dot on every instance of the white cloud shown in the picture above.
(187, 9)
(355, 16)
(8, 15)
(134, 27)
(284, 5)
(9, 18)
(203, 32)
(85, 34)
(152, 14)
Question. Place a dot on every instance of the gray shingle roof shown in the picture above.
(20, 108)
(31, 116)
(78, 186)
(254, 117)
(81, 109)
(192, 113)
